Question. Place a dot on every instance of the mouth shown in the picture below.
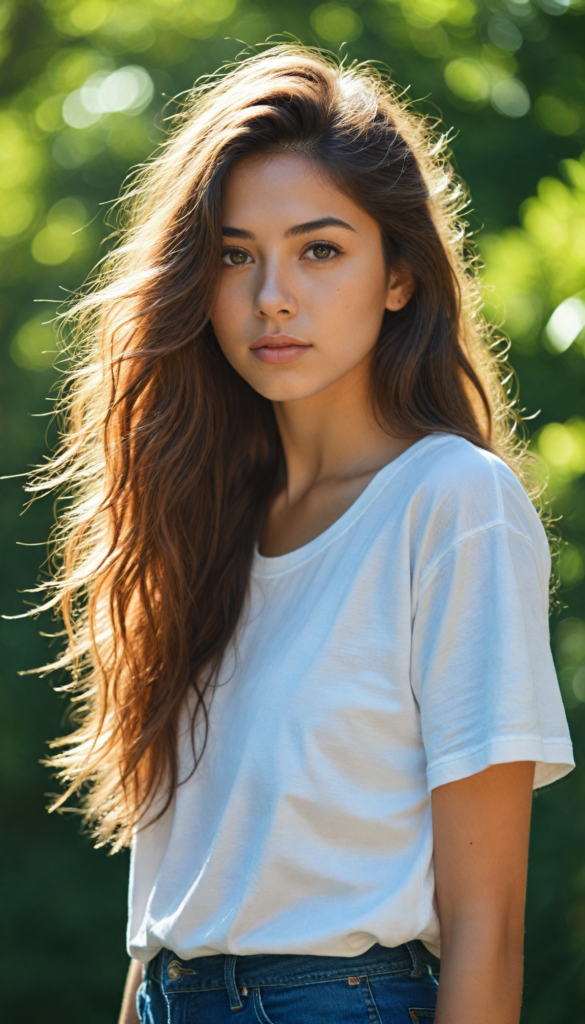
(279, 348)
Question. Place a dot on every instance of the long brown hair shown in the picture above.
(168, 456)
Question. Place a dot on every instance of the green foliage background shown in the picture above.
(509, 76)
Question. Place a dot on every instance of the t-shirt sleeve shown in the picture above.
(482, 669)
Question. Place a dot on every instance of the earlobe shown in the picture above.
(401, 287)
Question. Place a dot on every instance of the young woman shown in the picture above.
(305, 590)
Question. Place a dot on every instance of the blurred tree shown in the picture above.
(86, 86)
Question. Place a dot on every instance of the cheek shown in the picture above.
(220, 311)
(357, 307)
(226, 316)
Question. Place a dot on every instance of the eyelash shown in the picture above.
(325, 245)
(233, 248)
(312, 245)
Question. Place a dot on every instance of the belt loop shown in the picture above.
(229, 973)
(417, 964)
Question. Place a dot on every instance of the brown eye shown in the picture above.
(235, 258)
(322, 252)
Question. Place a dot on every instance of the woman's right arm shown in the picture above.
(129, 1013)
(480, 830)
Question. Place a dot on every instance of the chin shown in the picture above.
(283, 391)
(289, 385)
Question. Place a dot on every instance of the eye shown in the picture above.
(236, 257)
(322, 251)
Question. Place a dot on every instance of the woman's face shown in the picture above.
(303, 284)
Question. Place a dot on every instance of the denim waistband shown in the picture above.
(263, 969)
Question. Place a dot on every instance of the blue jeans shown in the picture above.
(382, 986)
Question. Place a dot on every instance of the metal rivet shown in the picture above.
(353, 981)
(244, 991)
(174, 970)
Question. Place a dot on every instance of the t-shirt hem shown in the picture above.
(142, 954)
(433, 947)
(553, 759)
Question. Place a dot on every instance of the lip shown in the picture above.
(279, 348)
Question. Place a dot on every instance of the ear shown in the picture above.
(401, 285)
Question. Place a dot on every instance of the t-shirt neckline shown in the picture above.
(279, 564)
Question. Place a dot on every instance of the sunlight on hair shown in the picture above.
(167, 456)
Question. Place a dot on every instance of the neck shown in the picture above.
(334, 434)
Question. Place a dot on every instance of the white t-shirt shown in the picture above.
(405, 647)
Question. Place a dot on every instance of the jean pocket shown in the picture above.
(261, 1014)
(421, 1014)
(326, 1002)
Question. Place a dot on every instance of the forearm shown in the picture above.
(129, 1013)
(480, 827)
(481, 973)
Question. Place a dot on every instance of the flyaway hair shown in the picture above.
(169, 458)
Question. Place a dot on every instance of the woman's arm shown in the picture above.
(128, 1013)
(481, 826)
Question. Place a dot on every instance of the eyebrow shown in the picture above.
(298, 229)
(316, 225)
(237, 233)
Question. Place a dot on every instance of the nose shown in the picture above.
(274, 300)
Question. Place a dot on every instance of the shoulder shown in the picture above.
(460, 490)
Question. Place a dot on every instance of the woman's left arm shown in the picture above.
(481, 826)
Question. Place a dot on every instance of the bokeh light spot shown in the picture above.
(468, 79)
(566, 323)
(523, 314)
(336, 23)
(34, 345)
(571, 569)
(21, 159)
(17, 210)
(570, 642)
(562, 445)
(504, 33)
(579, 684)
(128, 90)
(89, 15)
(575, 172)
(431, 42)
(554, 7)
(60, 238)
(76, 114)
(214, 10)
(510, 97)
(557, 115)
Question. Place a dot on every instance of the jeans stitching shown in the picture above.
(417, 964)
(210, 977)
(322, 976)
(168, 1002)
(323, 979)
(369, 1001)
(229, 974)
(259, 1010)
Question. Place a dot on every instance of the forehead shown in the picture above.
(284, 189)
